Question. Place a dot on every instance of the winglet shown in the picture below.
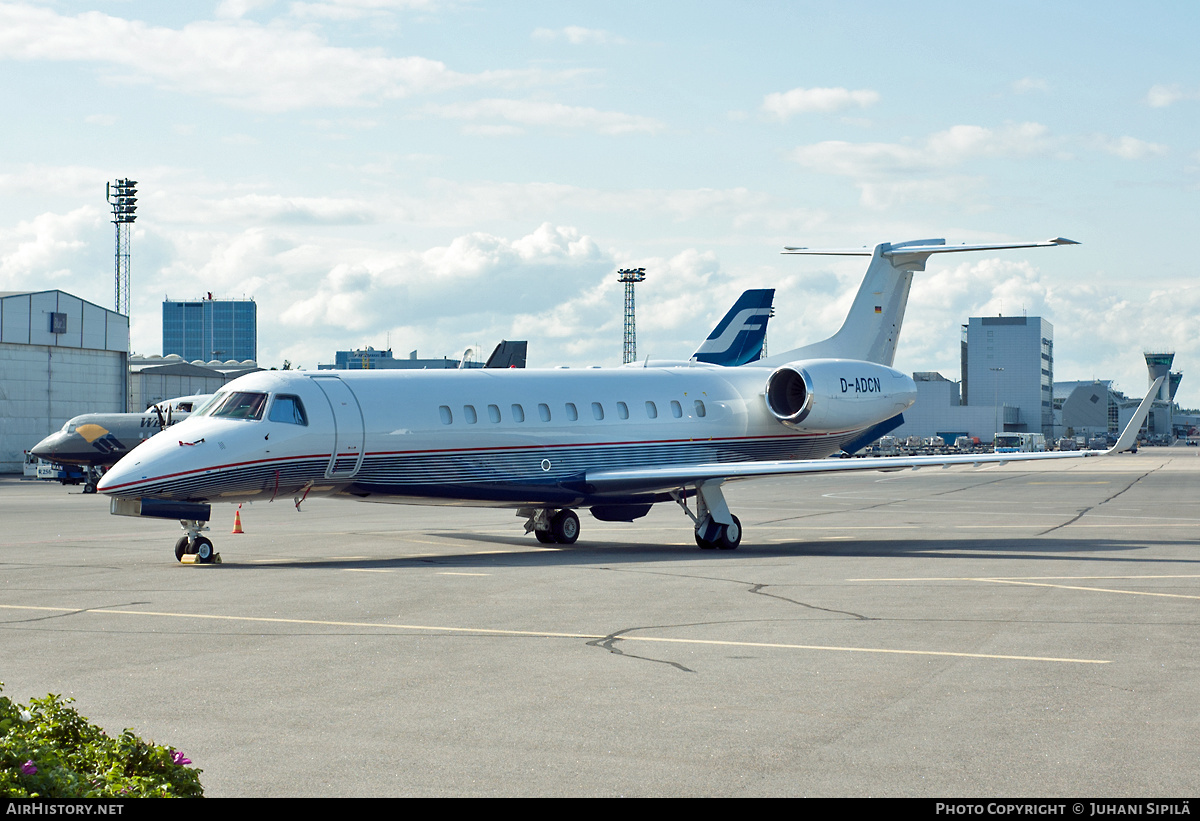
(1129, 435)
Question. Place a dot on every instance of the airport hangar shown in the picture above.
(61, 356)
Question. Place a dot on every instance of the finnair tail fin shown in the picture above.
(740, 335)
(872, 327)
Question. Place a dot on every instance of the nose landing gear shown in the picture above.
(194, 548)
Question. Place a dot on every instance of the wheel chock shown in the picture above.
(192, 558)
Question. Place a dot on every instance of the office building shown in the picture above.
(1009, 360)
(210, 329)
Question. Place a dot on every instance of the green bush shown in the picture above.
(48, 750)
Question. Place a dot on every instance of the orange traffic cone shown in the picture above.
(237, 520)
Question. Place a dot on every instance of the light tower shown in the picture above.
(630, 276)
(121, 196)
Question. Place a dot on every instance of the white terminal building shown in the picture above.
(1007, 385)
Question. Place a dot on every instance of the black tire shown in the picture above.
(565, 527)
(204, 550)
(181, 547)
(731, 535)
(544, 536)
(89, 488)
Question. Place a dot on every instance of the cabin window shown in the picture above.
(598, 411)
(470, 415)
(518, 413)
(572, 413)
(240, 405)
(544, 412)
(651, 410)
(700, 408)
(447, 416)
(288, 409)
(622, 410)
(494, 413)
(676, 409)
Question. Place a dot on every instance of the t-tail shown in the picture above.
(872, 328)
(740, 336)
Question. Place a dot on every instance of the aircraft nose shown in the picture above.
(45, 448)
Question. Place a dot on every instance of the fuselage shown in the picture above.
(509, 438)
(102, 439)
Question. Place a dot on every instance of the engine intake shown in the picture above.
(789, 394)
(837, 395)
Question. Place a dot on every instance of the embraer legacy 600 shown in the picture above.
(549, 442)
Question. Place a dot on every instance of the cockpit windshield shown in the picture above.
(236, 405)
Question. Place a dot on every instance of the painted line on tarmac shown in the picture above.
(1044, 581)
(486, 631)
(1094, 589)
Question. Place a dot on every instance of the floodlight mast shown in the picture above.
(630, 276)
(121, 196)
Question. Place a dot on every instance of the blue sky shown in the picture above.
(442, 174)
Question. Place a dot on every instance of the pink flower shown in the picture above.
(179, 758)
(28, 768)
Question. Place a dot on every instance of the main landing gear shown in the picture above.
(559, 527)
(716, 527)
(195, 547)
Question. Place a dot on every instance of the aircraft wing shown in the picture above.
(669, 478)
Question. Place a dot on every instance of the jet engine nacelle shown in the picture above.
(828, 395)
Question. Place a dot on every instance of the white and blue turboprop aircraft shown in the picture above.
(549, 442)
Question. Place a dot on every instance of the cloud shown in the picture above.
(45, 252)
(548, 115)
(578, 36)
(783, 105)
(1161, 96)
(1130, 148)
(1028, 84)
(943, 149)
(244, 64)
(888, 173)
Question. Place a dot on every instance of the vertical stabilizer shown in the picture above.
(872, 328)
(741, 333)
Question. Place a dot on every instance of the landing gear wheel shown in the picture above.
(565, 527)
(204, 550)
(705, 544)
(89, 488)
(544, 536)
(731, 535)
(181, 547)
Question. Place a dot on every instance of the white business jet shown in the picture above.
(549, 442)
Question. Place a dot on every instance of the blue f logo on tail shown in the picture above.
(739, 336)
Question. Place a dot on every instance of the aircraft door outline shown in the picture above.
(348, 428)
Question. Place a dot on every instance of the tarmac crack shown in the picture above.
(1090, 508)
(609, 643)
(65, 613)
(760, 589)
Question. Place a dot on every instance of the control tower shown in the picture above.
(1158, 363)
